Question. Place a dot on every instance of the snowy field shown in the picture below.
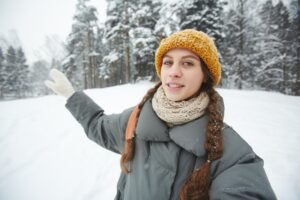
(45, 155)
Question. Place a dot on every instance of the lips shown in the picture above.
(175, 85)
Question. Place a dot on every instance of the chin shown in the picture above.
(174, 98)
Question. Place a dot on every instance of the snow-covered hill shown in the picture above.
(45, 155)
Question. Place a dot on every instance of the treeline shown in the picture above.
(14, 72)
(17, 78)
(261, 49)
(259, 43)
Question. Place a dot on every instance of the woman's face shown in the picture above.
(181, 74)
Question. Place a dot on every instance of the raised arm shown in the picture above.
(106, 130)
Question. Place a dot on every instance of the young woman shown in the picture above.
(174, 143)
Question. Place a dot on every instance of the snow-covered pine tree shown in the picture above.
(229, 50)
(237, 49)
(297, 28)
(169, 18)
(10, 70)
(81, 46)
(202, 15)
(295, 44)
(2, 73)
(273, 71)
(112, 57)
(22, 82)
(284, 32)
(117, 41)
(143, 37)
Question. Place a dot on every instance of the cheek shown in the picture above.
(196, 80)
(163, 75)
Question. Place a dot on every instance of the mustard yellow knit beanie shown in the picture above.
(197, 42)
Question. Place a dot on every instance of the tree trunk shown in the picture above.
(241, 26)
(89, 62)
(126, 47)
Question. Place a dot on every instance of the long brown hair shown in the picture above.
(196, 186)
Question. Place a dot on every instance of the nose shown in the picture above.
(175, 70)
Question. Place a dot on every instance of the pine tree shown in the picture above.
(297, 22)
(295, 44)
(112, 55)
(237, 49)
(23, 71)
(81, 46)
(283, 33)
(15, 83)
(274, 73)
(169, 18)
(203, 15)
(117, 59)
(268, 45)
(143, 37)
(9, 87)
(2, 72)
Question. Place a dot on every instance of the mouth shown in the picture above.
(174, 85)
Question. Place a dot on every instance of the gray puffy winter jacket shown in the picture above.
(165, 157)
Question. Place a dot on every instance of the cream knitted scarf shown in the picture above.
(175, 113)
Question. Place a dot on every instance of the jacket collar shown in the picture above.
(190, 136)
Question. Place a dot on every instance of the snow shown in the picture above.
(44, 153)
(111, 57)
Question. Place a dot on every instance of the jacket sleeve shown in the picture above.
(106, 130)
(239, 174)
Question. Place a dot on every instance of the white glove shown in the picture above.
(61, 84)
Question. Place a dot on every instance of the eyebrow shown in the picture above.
(191, 56)
(183, 57)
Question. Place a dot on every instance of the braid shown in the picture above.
(197, 185)
(128, 152)
(214, 139)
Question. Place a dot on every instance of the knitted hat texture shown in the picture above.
(197, 42)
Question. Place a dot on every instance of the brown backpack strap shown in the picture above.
(130, 130)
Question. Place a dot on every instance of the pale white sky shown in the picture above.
(35, 19)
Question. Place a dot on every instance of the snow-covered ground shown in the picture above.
(45, 155)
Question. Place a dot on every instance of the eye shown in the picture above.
(188, 63)
(167, 62)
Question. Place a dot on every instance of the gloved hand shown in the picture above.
(61, 84)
